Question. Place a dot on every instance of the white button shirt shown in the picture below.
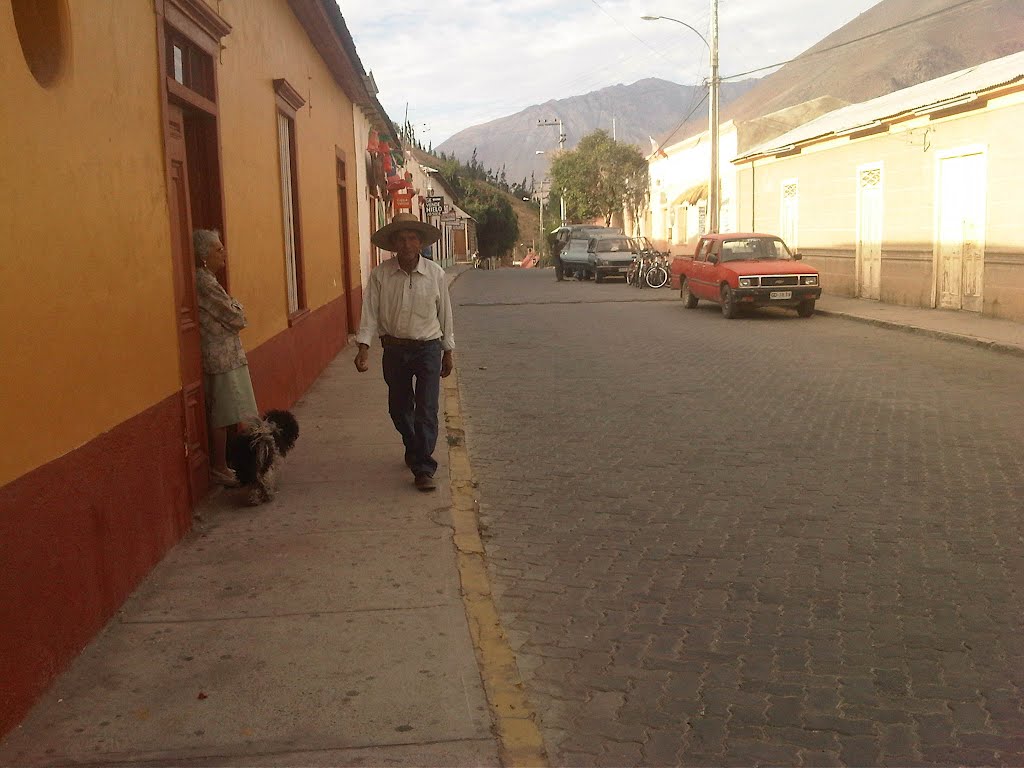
(407, 306)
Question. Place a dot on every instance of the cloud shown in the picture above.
(463, 62)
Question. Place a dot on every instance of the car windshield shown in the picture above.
(584, 233)
(611, 244)
(754, 248)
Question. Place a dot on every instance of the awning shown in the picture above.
(691, 196)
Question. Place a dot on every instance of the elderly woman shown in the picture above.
(229, 396)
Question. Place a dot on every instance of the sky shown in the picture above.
(458, 63)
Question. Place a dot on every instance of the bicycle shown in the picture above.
(657, 274)
(633, 275)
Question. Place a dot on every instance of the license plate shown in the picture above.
(623, 269)
(780, 295)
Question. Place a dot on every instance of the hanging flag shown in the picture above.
(655, 149)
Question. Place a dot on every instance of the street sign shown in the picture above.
(460, 224)
(434, 206)
(449, 216)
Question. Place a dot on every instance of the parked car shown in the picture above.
(645, 247)
(746, 270)
(575, 258)
(610, 255)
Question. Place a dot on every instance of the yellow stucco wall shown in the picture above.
(87, 315)
(267, 42)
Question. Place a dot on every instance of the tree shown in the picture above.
(497, 227)
(600, 177)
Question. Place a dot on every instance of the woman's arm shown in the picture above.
(214, 300)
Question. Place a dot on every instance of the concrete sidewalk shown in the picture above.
(965, 327)
(324, 628)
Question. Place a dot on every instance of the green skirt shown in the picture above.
(229, 397)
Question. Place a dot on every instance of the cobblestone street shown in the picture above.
(761, 541)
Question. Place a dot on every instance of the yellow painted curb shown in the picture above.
(519, 741)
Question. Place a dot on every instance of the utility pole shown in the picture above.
(561, 147)
(713, 203)
(713, 84)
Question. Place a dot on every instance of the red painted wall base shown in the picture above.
(77, 535)
(285, 367)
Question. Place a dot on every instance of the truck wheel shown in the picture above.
(689, 300)
(805, 308)
(729, 308)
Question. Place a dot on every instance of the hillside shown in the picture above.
(645, 108)
(899, 51)
(908, 42)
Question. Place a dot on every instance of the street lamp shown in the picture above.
(712, 108)
(561, 147)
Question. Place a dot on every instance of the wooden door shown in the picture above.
(186, 311)
(351, 321)
(869, 233)
(961, 231)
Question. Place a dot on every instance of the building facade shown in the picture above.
(135, 124)
(677, 213)
(911, 198)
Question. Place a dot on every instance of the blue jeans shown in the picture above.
(413, 407)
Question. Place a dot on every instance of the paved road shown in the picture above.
(760, 541)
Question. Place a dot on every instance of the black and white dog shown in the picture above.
(256, 452)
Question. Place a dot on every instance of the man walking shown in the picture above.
(558, 241)
(408, 307)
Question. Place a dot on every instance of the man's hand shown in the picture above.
(447, 363)
(362, 360)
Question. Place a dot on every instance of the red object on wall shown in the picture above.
(402, 200)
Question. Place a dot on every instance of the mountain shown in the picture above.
(893, 45)
(646, 108)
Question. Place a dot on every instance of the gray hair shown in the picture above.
(202, 241)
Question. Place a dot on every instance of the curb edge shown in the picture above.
(520, 743)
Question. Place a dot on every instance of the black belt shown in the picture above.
(394, 341)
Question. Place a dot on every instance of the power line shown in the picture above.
(805, 56)
(689, 114)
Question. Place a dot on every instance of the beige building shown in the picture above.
(912, 198)
(678, 209)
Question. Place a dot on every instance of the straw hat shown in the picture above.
(382, 237)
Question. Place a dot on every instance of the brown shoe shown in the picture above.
(424, 482)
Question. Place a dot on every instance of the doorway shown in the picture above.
(195, 198)
(960, 246)
(351, 321)
(869, 232)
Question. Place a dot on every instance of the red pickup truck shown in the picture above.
(746, 269)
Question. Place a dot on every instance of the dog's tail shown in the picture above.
(262, 441)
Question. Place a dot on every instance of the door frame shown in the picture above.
(789, 214)
(347, 282)
(200, 26)
(947, 154)
(858, 257)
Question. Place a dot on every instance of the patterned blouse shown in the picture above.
(220, 320)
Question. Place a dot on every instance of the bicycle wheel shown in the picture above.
(657, 276)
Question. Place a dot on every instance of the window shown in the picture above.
(44, 35)
(288, 102)
(189, 65)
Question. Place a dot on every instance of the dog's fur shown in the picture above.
(256, 452)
